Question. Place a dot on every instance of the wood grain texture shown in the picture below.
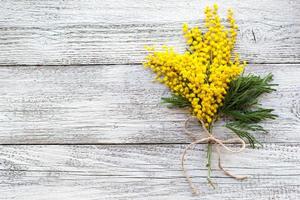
(143, 172)
(79, 32)
(117, 104)
(93, 91)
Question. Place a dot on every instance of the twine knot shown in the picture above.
(210, 139)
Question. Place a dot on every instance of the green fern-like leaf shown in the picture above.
(244, 92)
(240, 106)
(251, 116)
(243, 131)
(176, 101)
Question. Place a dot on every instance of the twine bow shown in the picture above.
(210, 139)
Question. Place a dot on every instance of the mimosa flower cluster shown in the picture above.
(201, 74)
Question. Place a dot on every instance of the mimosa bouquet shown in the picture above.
(208, 78)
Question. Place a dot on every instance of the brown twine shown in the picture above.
(210, 138)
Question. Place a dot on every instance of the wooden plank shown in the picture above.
(143, 171)
(104, 32)
(117, 104)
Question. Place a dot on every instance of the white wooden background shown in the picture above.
(81, 119)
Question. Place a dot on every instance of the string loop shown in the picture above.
(210, 139)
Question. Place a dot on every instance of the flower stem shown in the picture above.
(208, 165)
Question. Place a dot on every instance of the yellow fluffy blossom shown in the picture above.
(202, 74)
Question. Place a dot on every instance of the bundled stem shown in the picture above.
(208, 165)
(210, 139)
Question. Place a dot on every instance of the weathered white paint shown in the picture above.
(53, 32)
(117, 104)
(143, 172)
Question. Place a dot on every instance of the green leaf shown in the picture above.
(244, 92)
(242, 130)
(251, 116)
(176, 101)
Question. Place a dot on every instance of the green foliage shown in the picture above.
(242, 130)
(241, 106)
(176, 101)
(251, 116)
(244, 92)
